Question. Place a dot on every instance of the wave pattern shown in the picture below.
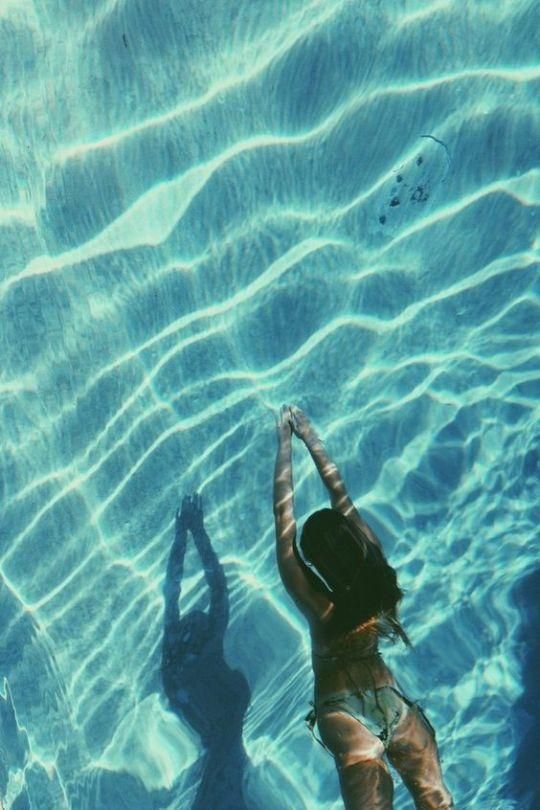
(209, 208)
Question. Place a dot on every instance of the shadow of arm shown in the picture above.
(215, 577)
(175, 570)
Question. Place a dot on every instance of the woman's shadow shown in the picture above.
(201, 687)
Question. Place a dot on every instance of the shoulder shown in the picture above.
(313, 604)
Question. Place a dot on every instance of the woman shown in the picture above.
(339, 578)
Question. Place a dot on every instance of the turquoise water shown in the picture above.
(208, 209)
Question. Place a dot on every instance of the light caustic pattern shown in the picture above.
(210, 208)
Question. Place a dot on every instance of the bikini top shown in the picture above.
(361, 648)
(347, 655)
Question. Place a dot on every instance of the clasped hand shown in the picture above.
(190, 514)
(293, 420)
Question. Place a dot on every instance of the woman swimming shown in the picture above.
(339, 578)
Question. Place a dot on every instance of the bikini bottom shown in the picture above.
(380, 710)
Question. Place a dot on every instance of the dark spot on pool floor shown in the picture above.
(394, 201)
(419, 194)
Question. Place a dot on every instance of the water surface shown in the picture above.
(208, 209)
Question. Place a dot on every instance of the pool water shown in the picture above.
(207, 209)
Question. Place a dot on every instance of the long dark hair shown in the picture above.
(342, 562)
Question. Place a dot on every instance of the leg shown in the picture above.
(364, 777)
(413, 752)
(366, 785)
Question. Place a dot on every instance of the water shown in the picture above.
(199, 222)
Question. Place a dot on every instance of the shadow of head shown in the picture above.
(195, 631)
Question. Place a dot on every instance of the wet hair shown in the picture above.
(344, 564)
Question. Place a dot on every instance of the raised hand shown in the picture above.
(301, 426)
(284, 426)
(190, 515)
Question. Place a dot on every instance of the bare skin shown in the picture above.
(366, 783)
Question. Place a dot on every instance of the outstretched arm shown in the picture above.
(283, 490)
(330, 475)
(213, 570)
(311, 603)
(175, 569)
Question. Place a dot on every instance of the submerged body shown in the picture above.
(362, 716)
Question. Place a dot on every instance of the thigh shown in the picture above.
(347, 739)
(413, 752)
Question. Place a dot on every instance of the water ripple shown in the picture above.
(205, 212)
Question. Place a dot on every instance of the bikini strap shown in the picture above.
(311, 720)
(413, 704)
(344, 655)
